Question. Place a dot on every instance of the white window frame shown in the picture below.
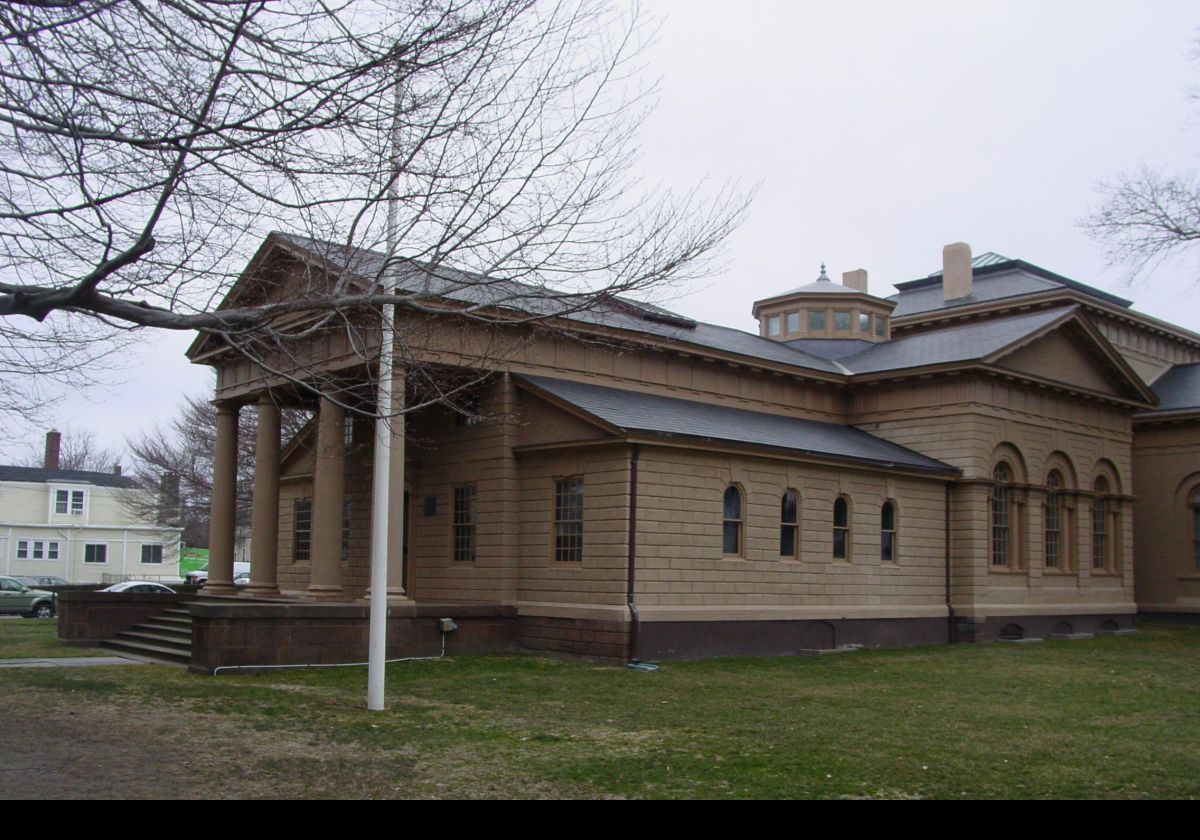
(87, 562)
(71, 495)
(142, 554)
(22, 549)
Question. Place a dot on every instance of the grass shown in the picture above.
(36, 638)
(1102, 718)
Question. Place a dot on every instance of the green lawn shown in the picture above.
(1101, 718)
(30, 638)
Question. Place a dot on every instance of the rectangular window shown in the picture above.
(51, 551)
(464, 524)
(22, 550)
(93, 553)
(61, 501)
(864, 322)
(345, 529)
(880, 326)
(773, 325)
(76, 502)
(39, 550)
(793, 322)
(302, 530)
(816, 321)
(841, 320)
(152, 554)
(1099, 535)
(568, 520)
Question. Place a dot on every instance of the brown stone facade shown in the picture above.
(1041, 513)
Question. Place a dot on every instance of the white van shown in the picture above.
(200, 576)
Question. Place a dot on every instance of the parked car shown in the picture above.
(18, 599)
(140, 586)
(242, 580)
(200, 576)
(46, 580)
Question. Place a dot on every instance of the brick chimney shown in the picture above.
(856, 280)
(957, 277)
(116, 469)
(53, 441)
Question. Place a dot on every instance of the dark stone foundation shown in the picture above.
(1016, 627)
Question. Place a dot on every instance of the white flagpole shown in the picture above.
(381, 491)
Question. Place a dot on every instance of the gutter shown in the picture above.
(952, 628)
(630, 576)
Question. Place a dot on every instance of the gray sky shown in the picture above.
(876, 133)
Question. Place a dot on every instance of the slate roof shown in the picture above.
(1178, 389)
(40, 474)
(995, 278)
(618, 313)
(669, 417)
(967, 343)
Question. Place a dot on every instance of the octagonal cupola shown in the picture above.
(824, 309)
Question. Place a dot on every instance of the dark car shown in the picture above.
(18, 599)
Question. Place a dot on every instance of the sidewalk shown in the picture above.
(68, 662)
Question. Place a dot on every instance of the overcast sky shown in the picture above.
(876, 133)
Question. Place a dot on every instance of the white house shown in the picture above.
(80, 525)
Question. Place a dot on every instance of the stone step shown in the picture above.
(149, 637)
(154, 653)
(184, 622)
(173, 631)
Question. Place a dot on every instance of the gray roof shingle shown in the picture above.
(1178, 389)
(633, 411)
(42, 475)
(967, 343)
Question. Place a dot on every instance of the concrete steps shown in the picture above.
(167, 637)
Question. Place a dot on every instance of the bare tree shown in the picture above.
(174, 467)
(147, 149)
(1148, 215)
(79, 449)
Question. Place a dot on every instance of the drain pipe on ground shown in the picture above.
(634, 664)
(441, 655)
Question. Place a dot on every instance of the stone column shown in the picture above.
(325, 580)
(264, 539)
(396, 511)
(223, 518)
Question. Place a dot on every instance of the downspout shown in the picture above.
(630, 578)
(952, 628)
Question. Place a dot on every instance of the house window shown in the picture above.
(348, 431)
(793, 322)
(731, 540)
(302, 530)
(62, 500)
(816, 320)
(1053, 509)
(887, 532)
(1194, 504)
(880, 326)
(1101, 544)
(39, 550)
(51, 551)
(841, 528)
(464, 524)
(773, 325)
(789, 525)
(152, 554)
(1001, 516)
(95, 553)
(864, 322)
(345, 529)
(841, 320)
(568, 520)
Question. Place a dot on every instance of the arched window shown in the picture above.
(732, 540)
(1101, 543)
(789, 525)
(841, 529)
(1002, 516)
(1194, 504)
(1053, 521)
(887, 532)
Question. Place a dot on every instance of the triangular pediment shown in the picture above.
(1075, 354)
(547, 422)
